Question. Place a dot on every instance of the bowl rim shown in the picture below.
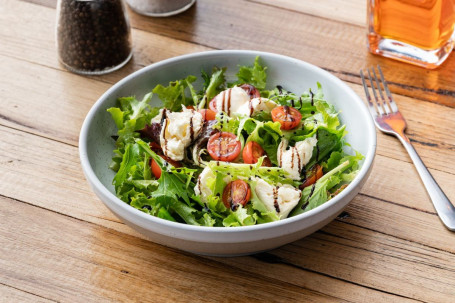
(96, 183)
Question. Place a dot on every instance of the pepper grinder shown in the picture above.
(93, 36)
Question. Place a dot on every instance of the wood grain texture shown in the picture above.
(352, 12)
(419, 230)
(59, 243)
(11, 294)
(72, 259)
(336, 46)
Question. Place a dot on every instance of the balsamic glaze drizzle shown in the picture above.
(312, 98)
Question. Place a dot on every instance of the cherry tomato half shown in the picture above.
(235, 193)
(207, 114)
(315, 174)
(224, 146)
(288, 117)
(252, 152)
(156, 170)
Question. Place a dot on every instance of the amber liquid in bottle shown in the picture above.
(425, 24)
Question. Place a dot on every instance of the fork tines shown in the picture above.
(379, 105)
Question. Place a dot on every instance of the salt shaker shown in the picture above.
(93, 36)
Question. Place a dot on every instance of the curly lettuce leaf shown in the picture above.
(129, 116)
(272, 175)
(173, 95)
(215, 83)
(255, 75)
(240, 217)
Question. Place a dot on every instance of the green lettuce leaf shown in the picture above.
(173, 95)
(255, 75)
(240, 217)
(215, 83)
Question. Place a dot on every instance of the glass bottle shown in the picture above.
(93, 36)
(420, 32)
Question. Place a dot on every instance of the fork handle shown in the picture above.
(441, 203)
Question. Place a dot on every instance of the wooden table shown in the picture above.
(59, 243)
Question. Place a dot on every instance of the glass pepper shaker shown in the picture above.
(93, 36)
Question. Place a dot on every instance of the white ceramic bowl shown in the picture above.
(96, 145)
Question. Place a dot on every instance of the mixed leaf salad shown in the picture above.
(229, 154)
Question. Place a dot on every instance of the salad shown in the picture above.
(230, 154)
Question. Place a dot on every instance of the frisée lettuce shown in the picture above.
(236, 170)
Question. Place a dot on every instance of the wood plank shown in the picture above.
(348, 247)
(389, 245)
(10, 294)
(337, 47)
(365, 258)
(72, 260)
(352, 12)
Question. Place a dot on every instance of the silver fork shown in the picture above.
(390, 121)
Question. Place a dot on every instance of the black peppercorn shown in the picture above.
(93, 37)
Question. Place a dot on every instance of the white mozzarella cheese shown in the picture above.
(236, 102)
(230, 100)
(292, 160)
(280, 199)
(201, 189)
(178, 130)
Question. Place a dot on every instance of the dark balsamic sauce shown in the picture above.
(221, 120)
(191, 127)
(229, 102)
(312, 98)
(280, 89)
(287, 114)
(292, 157)
(275, 199)
(163, 122)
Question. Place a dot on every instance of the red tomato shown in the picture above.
(190, 107)
(252, 91)
(288, 117)
(224, 146)
(252, 152)
(207, 114)
(156, 170)
(235, 193)
(315, 174)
